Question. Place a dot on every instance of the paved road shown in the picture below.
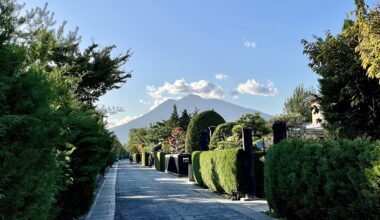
(144, 193)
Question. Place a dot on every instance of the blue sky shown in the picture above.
(180, 46)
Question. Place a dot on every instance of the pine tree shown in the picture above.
(174, 118)
(184, 120)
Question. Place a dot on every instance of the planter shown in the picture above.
(177, 164)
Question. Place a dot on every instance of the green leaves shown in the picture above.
(329, 179)
(350, 101)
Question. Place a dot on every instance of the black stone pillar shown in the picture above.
(212, 129)
(204, 140)
(279, 131)
(249, 167)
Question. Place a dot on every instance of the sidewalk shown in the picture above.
(144, 193)
(103, 207)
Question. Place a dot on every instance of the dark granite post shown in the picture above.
(249, 169)
(204, 140)
(212, 129)
(279, 131)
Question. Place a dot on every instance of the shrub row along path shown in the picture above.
(136, 192)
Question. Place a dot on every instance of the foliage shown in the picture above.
(184, 120)
(221, 133)
(329, 179)
(137, 157)
(53, 142)
(202, 121)
(136, 140)
(368, 25)
(220, 171)
(29, 133)
(145, 158)
(296, 104)
(174, 118)
(350, 101)
(254, 121)
(221, 145)
(159, 160)
(177, 140)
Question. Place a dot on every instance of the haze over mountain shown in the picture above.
(228, 111)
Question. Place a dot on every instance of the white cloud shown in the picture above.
(221, 76)
(116, 122)
(252, 87)
(181, 88)
(249, 44)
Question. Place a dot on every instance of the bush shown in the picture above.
(221, 133)
(197, 124)
(259, 173)
(228, 144)
(220, 170)
(137, 157)
(145, 158)
(324, 180)
(159, 161)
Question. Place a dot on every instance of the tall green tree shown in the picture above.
(254, 121)
(174, 118)
(53, 141)
(368, 25)
(184, 120)
(350, 101)
(296, 104)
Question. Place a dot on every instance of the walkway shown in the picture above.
(103, 207)
(144, 193)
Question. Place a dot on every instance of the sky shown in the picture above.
(245, 52)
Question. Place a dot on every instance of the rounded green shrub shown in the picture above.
(324, 180)
(221, 133)
(198, 123)
(220, 170)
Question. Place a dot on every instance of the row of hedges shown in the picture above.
(220, 170)
(159, 161)
(136, 158)
(324, 180)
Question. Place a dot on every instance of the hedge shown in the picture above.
(145, 158)
(324, 180)
(219, 170)
(221, 133)
(202, 121)
(137, 157)
(159, 161)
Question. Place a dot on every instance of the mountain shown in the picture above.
(228, 111)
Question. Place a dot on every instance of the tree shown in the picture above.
(350, 101)
(296, 104)
(184, 120)
(254, 121)
(368, 25)
(53, 142)
(136, 140)
(174, 118)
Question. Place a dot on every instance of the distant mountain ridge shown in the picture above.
(228, 111)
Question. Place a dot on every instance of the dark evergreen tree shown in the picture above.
(350, 101)
(174, 118)
(184, 120)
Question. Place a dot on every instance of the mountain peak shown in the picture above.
(192, 96)
(190, 102)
